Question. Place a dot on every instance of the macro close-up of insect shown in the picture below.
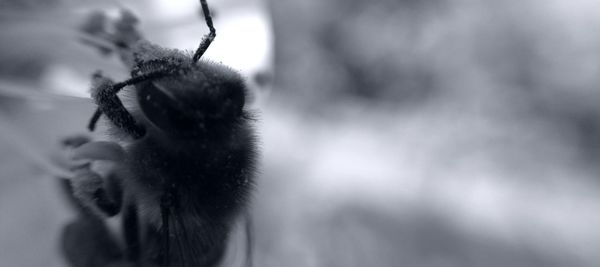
(181, 164)
(225, 133)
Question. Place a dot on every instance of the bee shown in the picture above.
(179, 165)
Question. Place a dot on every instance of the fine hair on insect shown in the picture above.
(179, 164)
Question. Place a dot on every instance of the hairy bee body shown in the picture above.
(210, 174)
(182, 157)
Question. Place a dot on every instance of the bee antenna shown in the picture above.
(207, 39)
(115, 88)
(94, 120)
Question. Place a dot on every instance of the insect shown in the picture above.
(180, 163)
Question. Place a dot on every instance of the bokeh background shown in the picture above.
(393, 132)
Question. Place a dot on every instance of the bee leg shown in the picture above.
(67, 188)
(207, 40)
(86, 242)
(74, 141)
(88, 188)
(104, 93)
(131, 233)
(99, 150)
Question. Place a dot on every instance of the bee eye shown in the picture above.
(165, 111)
(185, 111)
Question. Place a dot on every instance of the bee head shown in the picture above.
(193, 101)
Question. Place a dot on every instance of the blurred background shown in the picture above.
(393, 132)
